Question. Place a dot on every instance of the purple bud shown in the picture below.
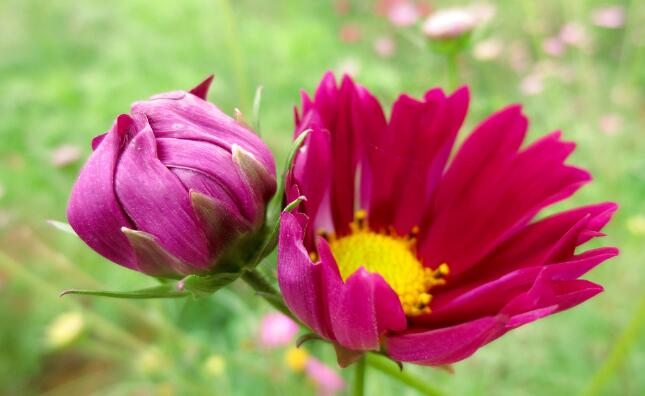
(171, 185)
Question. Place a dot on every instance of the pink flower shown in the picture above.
(611, 124)
(172, 185)
(396, 250)
(384, 47)
(277, 330)
(350, 33)
(611, 17)
(449, 24)
(326, 379)
(553, 46)
(403, 14)
(574, 34)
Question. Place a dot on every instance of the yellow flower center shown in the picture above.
(393, 257)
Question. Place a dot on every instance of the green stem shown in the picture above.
(358, 389)
(453, 78)
(391, 369)
(619, 352)
(256, 280)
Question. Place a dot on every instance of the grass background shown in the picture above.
(67, 68)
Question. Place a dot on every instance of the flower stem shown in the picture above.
(359, 378)
(395, 372)
(451, 65)
(257, 281)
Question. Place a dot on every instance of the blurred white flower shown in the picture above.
(277, 329)
(483, 12)
(449, 23)
(488, 49)
(64, 155)
(532, 84)
(611, 17)
(349, 66)
(553, 46)
(384, 47)
(65, 329)
(611, 124)
(403, 14)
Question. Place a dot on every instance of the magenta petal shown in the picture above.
(93, 210)
(185, 116)
(408, 160)
(500, 198)
(445, 345)
(552, 239)
(480, 299)
(311, 174)
(215, 172)
(146, 188)
(299, 277)
(362, 308)
(348, 112)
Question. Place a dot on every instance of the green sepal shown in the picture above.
(257, 102)
(203, 286)
(275, 208)
(61, 226)
(167, 290)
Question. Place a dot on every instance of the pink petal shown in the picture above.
(446, 345)
(147, 189)
(299, 278)
(93, 210)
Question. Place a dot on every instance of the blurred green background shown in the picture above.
(67, 68)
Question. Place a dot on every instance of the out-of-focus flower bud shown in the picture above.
(172, 186)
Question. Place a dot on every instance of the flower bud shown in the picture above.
(172, 185)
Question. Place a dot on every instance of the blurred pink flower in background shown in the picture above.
(65, 154)
(518, 56)
(488, 49)
(449, 23)
(611, 124)
(403, 14)
(611, 17)
(277, 330)
(574, 34)
(342, 7)
(326, 379)
(384, 46)
(350, 33)
(553, 46)
(532, 84)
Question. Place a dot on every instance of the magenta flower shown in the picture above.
(397, 250)
(171, 185)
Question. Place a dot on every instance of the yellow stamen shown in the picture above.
(393, 257)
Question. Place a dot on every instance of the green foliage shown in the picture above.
(68, 68)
